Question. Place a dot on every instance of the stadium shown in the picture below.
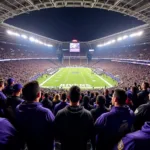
(69, 59)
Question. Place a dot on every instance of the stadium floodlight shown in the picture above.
(16, 34)
(40, 42)
(125, 37)
(140, 33)
(100, 45)
(49, 45)
(36, 40)
(133, 34)
(113, 41)
(31, 39)
(9, 32)
(24, 36)
(120, 39)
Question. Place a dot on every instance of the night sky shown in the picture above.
(66, 24)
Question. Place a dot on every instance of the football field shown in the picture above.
(83, 77)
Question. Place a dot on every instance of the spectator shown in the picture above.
(137, 140)
(56, 100)
(142, 114)
(74, 124)
(46, 102)
(134, 91)
(62, 104)
(100, 109)
(9, 138)
(143, 95)
(112, 126)
(12, 103)
(86, 103)
(107, 97)
(35, 122)
(9, 88)
(2, 98)
(92, 96)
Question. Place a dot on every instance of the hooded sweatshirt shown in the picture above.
(112, 126)
(36, 125)
(139, 140)
(73, 128)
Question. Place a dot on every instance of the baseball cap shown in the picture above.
(17, 87)
(10, 80)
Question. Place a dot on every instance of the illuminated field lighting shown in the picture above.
(140, 33)
(16, 34)
(120, 39)
(9, 32)
(113, 41)
(49, 45)
(133, 35)
(24, 36)
(125, 37)
(31, 39)
(100, 45)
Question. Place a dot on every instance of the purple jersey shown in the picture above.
(60, 106)
(139, 140)
(36, 125)
(8, 136)
(3, 99)
(112, 126)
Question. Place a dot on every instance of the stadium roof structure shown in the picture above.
(139, 9)
(4, 37)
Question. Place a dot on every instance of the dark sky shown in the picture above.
(80, 23)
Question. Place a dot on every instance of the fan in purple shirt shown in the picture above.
(34, 121)
(3, 98)
(139, 140)
(112, 126)
(9, 138)
(62, 104)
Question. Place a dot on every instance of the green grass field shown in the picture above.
(83, 77)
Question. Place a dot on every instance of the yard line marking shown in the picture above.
(49, 78)
(104, 81)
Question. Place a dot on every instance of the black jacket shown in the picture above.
(74, 128)
(98, 111)
(10, 110)
(47, 103)
(143, 97)
(142, 114)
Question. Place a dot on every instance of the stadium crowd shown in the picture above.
(9, 51)
(74, 119)
(24, 70)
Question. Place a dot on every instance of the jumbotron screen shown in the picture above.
(74, 47)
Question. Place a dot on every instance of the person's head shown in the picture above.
(119, 97)
(100, 100)
(106, 92)
(86, 100)
(74, 94)
(96, 94)
(10, 81)
(46, 95)
(17, 89)
(145, 85)
(63, 96)
(31, 91)
(56, 98)
(88, 92)
(92, 95)
(1, 84)
(134, 90)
